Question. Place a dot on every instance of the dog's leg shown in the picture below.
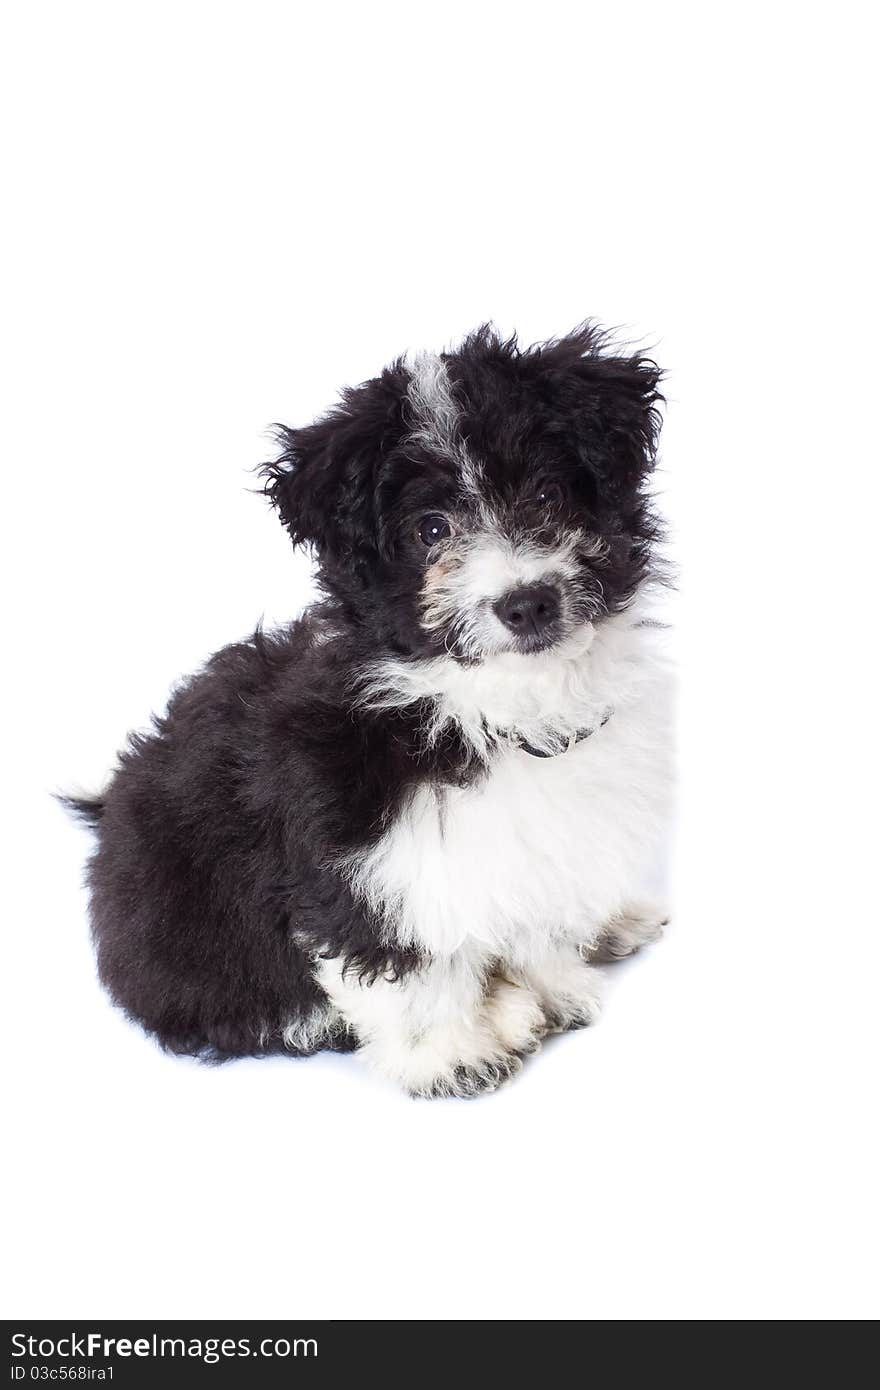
(565, 985)
(440, 1030)
(638, 924)
(515, 1014)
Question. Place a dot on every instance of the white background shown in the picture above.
(217, 214)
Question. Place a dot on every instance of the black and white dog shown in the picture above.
(412, 820)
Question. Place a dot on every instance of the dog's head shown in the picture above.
(490, 499)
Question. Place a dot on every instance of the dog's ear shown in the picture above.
(323, 482)
(606, 405)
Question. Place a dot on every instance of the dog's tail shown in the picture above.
(88, 808)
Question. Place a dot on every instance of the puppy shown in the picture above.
(411, 821)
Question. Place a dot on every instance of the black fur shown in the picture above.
(210, 884)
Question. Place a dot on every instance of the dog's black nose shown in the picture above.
(529, 611)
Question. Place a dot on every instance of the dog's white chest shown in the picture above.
(540, 847)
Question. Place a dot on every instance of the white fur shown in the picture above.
(543, 849)
(436, 416)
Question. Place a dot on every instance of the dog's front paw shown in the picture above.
(636, 926)
(577, 1007)
(473, 1079)
(465, 1058)
(515, 1015)
(566, 988)
(511, 1024)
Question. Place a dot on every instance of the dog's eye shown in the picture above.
(550, 495)
(433, 528)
